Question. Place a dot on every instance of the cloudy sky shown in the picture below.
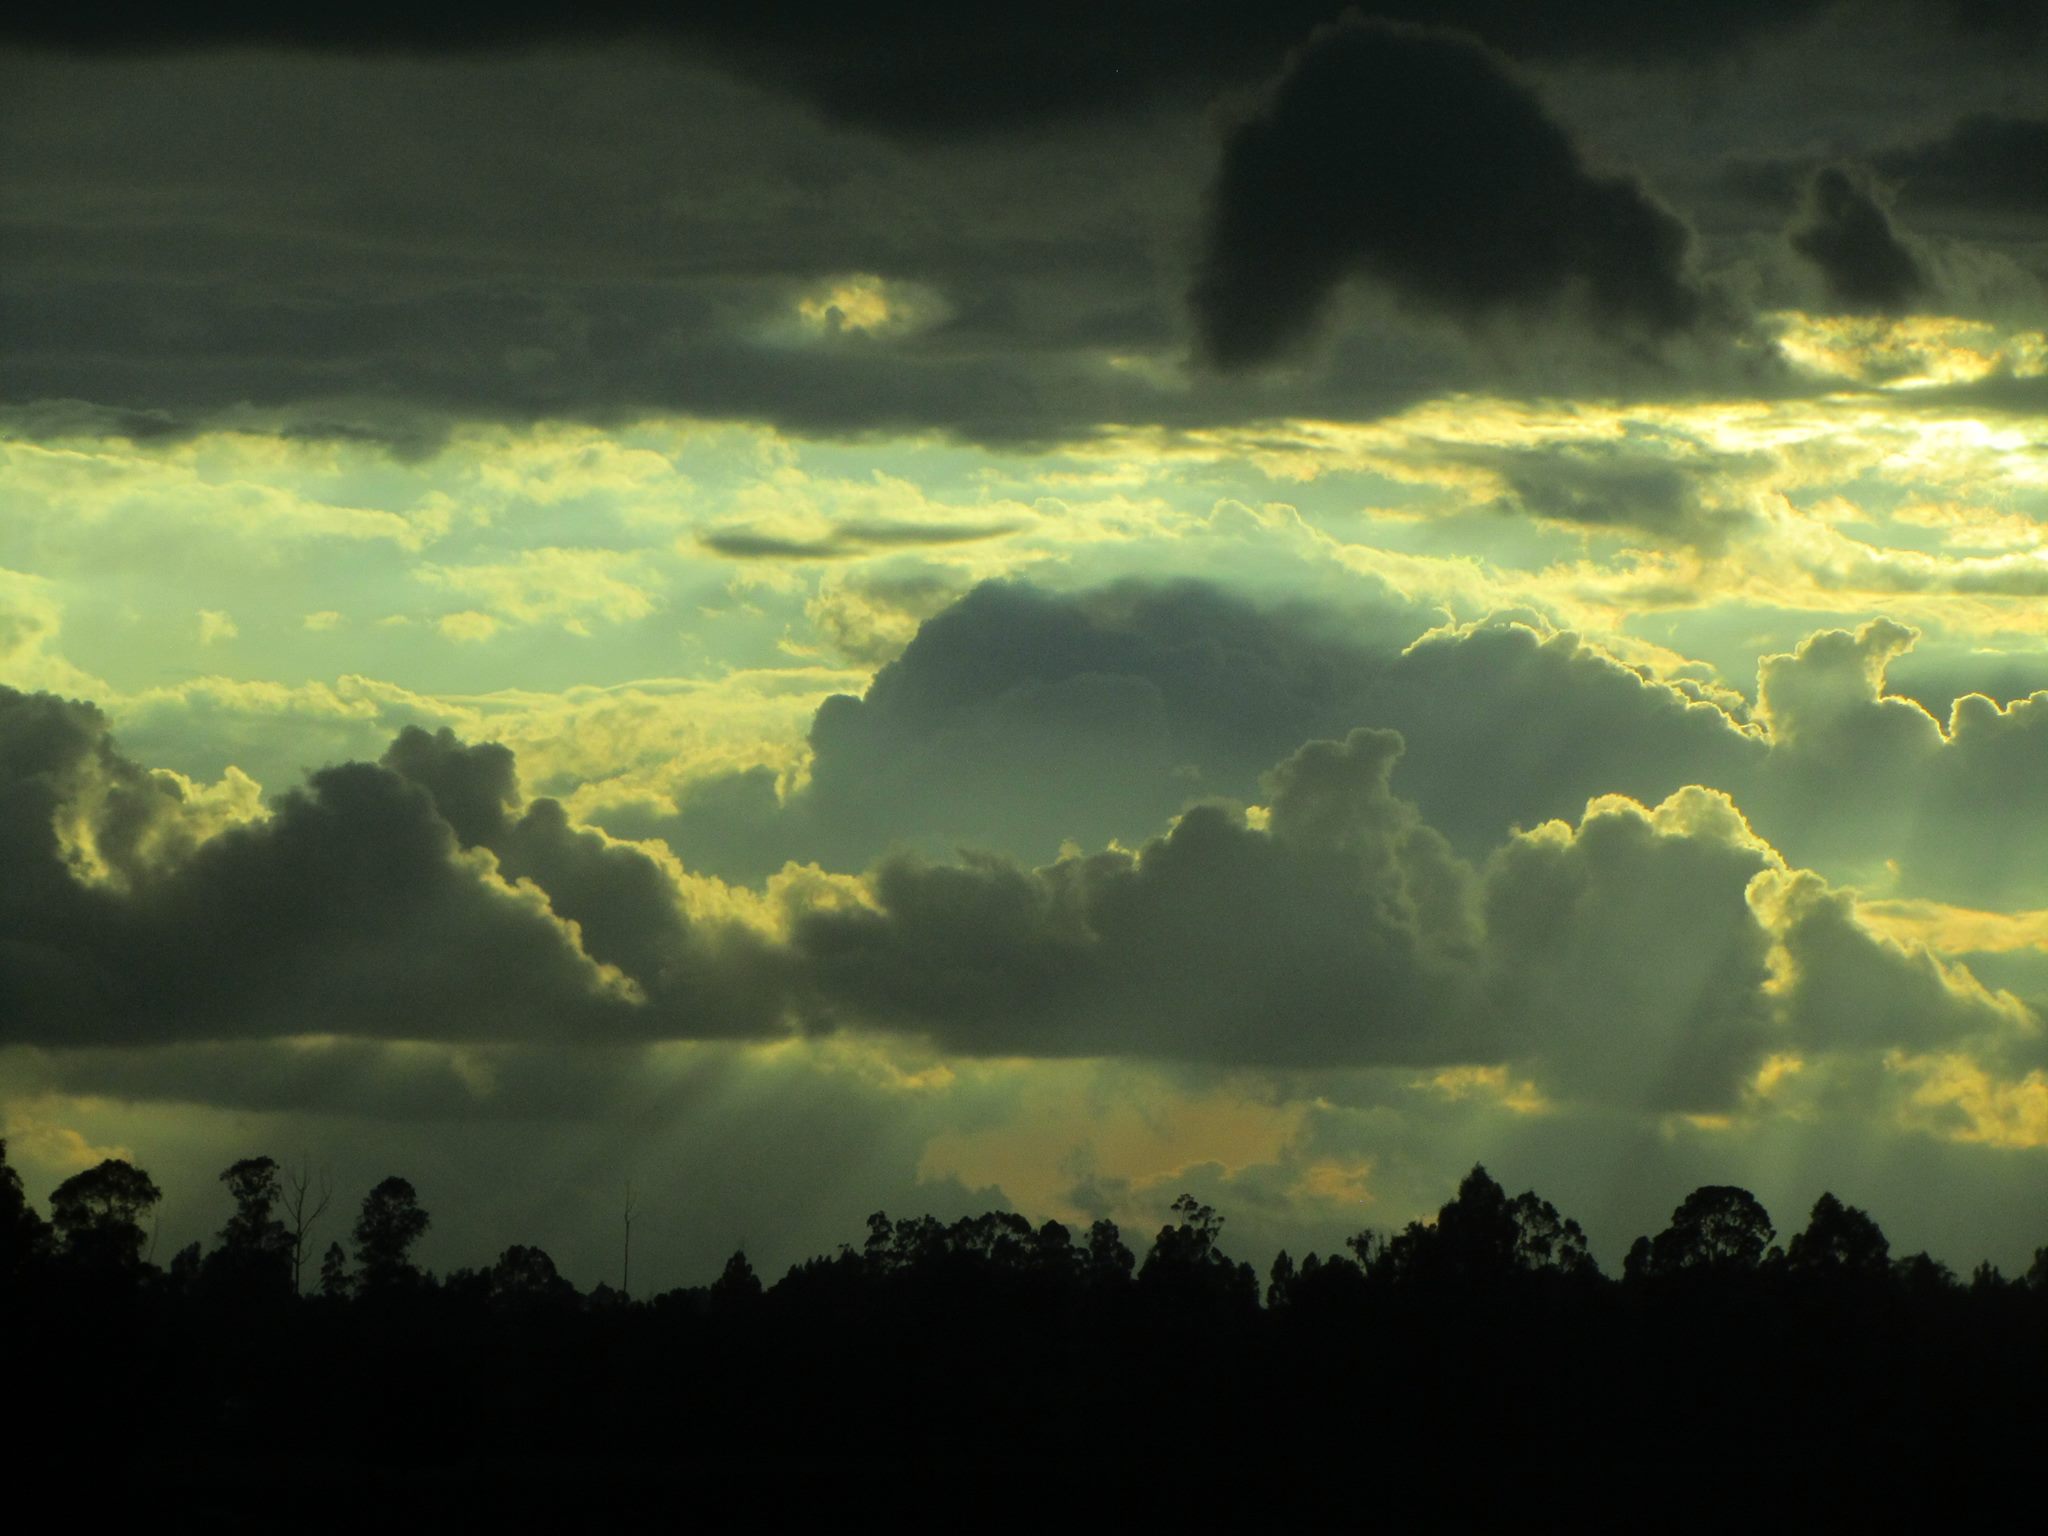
(1030, 609)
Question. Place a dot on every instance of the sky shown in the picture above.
(1034, 609)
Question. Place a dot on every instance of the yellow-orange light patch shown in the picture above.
(1489, 1083)
(1955, 1098)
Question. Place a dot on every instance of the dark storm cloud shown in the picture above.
(941, 68)
(1420, 160)
(366, 366)
(350, 910)
(1848, 234)
(408, 242)
(1980, 180)
(411, 242)
(1985, 162)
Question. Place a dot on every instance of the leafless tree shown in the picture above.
(626, 1264)
(303, 1204)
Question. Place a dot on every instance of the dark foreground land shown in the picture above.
(1474, 1373)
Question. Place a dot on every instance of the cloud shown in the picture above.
(702, 972)
(31, 619)
(1849, 235)
(1606, 486)
(1327, 937)
(569, 588)
(931, 72)
(1510, 725)
(143, 910)
(1988, 162)
(1857, 776)
(1422, 161)
(848, 540)
(1645, 957)
(1019, 718)
(870, 617)
(327, 284)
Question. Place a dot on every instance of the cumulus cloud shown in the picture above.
(1649, 957)
(1649, 948)
(1019, 718)
(1422, 161)
(702, 972)
(1360, 917)
(1858, 776)
(140, 910)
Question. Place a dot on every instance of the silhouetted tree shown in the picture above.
(1481, 1236)
(526, 1278)
(1325, 1288)
(1717, 1230)
(185, 1266)
(390, 1223)
(896, 1247)
(23, 1234)
(1922, 1276)
(1109, 1260)
(1051, 1253)
(255, 1249)
(335, 1280)
(1546, 1241)
(1185, 1267)
(1367, 1249)
(1839, 1241)
(1280, 1281)
(737, 1286)
(97, 1214)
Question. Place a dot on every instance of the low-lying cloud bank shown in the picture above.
(1020, 719)
(1659, 957)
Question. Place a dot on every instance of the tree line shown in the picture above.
(952, 1350)
(1718, 1233)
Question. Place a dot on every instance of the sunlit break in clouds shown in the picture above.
(1030, 614)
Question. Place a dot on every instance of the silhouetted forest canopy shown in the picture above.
(1475, 1366)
